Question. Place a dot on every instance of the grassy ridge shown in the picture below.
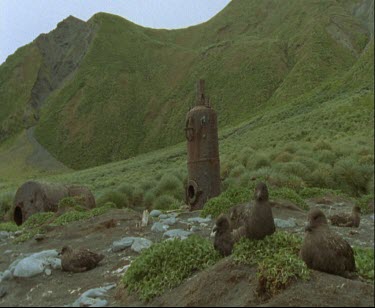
(131, 93)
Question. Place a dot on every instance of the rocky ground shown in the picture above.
(119, 235)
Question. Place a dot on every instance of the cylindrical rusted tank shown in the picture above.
(34, 197)
(203, 152)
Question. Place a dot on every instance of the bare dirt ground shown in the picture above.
(225, 284)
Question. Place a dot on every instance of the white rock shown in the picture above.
(48, 272)
(145, 218)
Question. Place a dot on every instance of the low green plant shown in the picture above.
(166, 202)
(116, 197)
(312, 192)
(165, 265)
(290, 195)
(71, 203)
(6, 201)
(38, 219)
(364, 261)
(364, 202)
(216, 206)
(277, 257)
(9, 227)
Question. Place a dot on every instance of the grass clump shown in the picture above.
(216, 206)
(165, 265)
(312, 192)
(6, 201)
(166, 202)
(115, 197)
(364, 203)
(277, 256)
(38, 219)
(290, 195)
(71, 203)
(364, 261)
(9, 227)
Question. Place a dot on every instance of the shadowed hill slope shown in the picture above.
(130, 87)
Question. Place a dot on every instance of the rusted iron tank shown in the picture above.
(203, 152)
(34, 197)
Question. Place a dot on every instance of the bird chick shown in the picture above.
(223, 242)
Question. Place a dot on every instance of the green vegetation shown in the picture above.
(37, 220)
(165, 265)
(364, 261)
(364, 203)
(6, 202)
(9, 227)
(288, 194)
(277, 259)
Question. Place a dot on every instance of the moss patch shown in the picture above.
(165, 265)
(277, 259)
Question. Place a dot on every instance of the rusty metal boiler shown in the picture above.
(203, 151)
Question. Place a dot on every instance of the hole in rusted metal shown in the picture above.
(18, 217)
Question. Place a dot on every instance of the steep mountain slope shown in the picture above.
(130, 87)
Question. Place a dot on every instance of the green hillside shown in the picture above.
(131, 91)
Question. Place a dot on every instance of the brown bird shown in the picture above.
(238, 215)
(79, 260)
(258, 218)
(223, 242)
(324, 250)
(347, 220)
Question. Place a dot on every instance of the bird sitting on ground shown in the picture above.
(223, 242)
(258, 221)
(347, 220)
(324, 250)
(79, 260)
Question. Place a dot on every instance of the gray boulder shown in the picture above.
(155, 213)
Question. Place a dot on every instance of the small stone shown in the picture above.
(155, 213)
(48, 272)
(141, 244)
(281, 223)
(203, 225)
(163, 216)
(177, 233)
(122, 244)
(159, 227)
(7, 252)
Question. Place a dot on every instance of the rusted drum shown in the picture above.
(34, 197)
(203, 152)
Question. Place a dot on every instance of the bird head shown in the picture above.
(261, 192)
(315, 218)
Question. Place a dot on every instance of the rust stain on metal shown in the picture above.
(34, 197)
(203, 151)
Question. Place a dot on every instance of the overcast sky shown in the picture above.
(21, 21)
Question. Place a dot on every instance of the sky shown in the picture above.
(21, 21)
